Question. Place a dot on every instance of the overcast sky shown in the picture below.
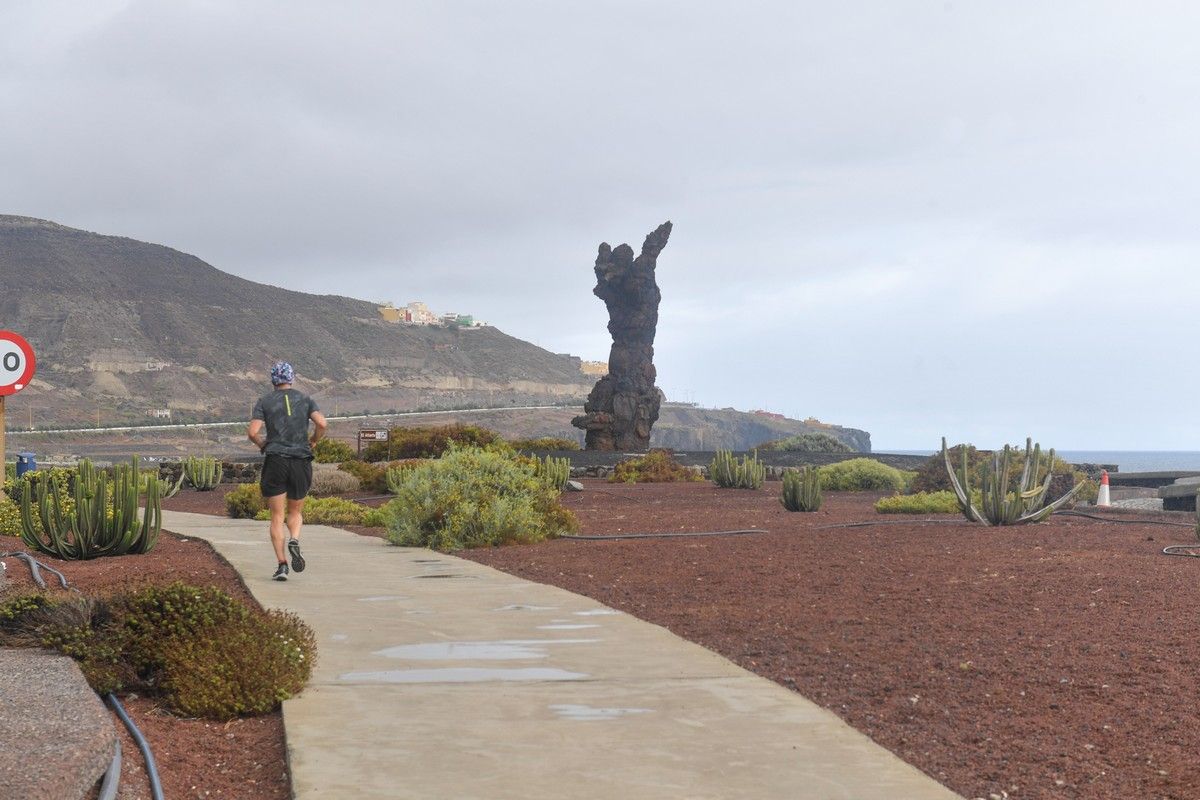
(976, 219)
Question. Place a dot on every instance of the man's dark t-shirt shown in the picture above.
(286, 412)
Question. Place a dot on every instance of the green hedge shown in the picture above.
(863, 474)
(472, 497)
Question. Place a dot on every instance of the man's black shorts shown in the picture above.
(283, 475)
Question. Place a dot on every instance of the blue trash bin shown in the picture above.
(25, 463)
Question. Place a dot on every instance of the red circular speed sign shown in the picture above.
(17, 363)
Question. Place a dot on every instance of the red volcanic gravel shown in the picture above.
(1047, 661)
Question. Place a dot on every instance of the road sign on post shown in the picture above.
(17, 365)
(371, 435)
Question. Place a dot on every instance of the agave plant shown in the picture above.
(1000, 503)
(105, 520)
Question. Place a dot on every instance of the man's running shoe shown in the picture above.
(281, 573)
(294, 552)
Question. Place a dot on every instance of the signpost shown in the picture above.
(17, 365)
(371, 435)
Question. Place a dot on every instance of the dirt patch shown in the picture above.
(1047, 661)
(242, 759)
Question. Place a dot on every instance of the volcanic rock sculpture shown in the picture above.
(623, 405)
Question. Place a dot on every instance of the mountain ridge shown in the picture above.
(181, 334)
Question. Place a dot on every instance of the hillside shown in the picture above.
(122, 327)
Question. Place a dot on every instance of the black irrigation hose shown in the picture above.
(112, 777)
(151, 769)
(1124, 521)
(673, 535)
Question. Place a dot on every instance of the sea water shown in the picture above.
(1126, 460)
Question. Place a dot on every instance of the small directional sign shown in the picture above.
(373, 434)
(17, 363)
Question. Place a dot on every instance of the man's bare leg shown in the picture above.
(276, 505)
(295, 517)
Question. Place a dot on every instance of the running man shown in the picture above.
(287, 470)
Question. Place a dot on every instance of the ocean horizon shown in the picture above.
(1125, 460)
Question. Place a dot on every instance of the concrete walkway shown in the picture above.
(440, 678)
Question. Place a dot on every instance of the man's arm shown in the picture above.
(254, 433)
(319, 426)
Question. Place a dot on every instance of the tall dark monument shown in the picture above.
(623, 405)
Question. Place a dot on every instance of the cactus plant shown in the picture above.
(1000, 504)
(801, 489)
(728, 472)
(202, 472)
(554, 472)
(104, 521)
(167, 489)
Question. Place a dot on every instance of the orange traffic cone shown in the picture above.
(1102, 499)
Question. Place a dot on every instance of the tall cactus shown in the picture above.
(202, 472)
(554, 472)
(1000, 504)
(728, 472)
(105, 520)
(801, 489)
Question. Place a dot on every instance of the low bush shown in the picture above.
(808, 443)
(333, 481)
(944, 502)
(245, 501)
(863, 474)
(371, 477)
(544, 443)
(428, 442)
(10, 517)
(200, 650)
(247, 668)
(328, 511)
(332, 451)
(657, 466)
(471, 497)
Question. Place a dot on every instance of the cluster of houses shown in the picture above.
(419, 314)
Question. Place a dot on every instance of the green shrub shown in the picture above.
(944, 502)
(10, 517)
(371, 477)
(808, 443)
(200, 650)
(472, 497)
(328, 511)
(332, 451)
(175, 610)
(245, 501)
(657, 466)
(429, 442)
(863, 474)
(247, 668)
(544, 443)
(375, 518)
